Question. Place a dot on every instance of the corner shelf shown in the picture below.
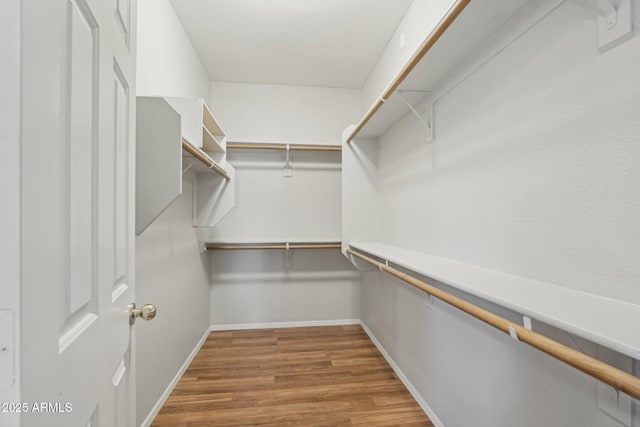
(602, 320)
(199, 127)
(465, 27)
(213, 137)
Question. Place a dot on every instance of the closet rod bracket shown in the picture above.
(514, 333)
(288, 172)
(288, 257)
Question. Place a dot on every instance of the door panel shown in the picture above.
(121, 132)
(77, 212)
(81, 136)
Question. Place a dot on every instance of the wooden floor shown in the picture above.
(320, 376)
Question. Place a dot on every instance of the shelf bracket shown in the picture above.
(288, 172)
(188, 167)
(428, 112)
(614, 23)
(607, 10)
(288, 257)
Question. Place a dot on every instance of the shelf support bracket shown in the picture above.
(188, 167)
(614, 23)
(428, 122)
(288, 257)
(607, 11)
(288, 172)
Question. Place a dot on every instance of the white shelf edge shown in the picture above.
(216, 146)
(207, 111)
(269, 241)
(536, 299)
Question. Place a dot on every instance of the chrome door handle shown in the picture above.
(147, 312)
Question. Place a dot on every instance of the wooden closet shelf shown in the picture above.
(298, 147)
(254, 246)
(606, 373)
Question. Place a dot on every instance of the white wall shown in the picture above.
(254, 286)
(533, 171)
(293, 114)
(168, 64)
(10, 106)
(172, 274)
(170, 271)
(535, 157)
(271, 208)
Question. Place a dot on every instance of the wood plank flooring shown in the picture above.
(319, 376)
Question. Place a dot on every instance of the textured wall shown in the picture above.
(255, 287)
(533, 171)
(168, 64)
(170, 271)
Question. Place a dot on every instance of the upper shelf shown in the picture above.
(199, 127)
(465, 27)
(602, 320)
(282, 146)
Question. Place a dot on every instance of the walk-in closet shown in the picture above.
(320, 213)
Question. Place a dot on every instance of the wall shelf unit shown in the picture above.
(465, 27)
(199, 127)
(175, 135)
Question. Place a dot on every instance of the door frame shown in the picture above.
(10, 170)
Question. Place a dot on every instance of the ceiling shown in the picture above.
(328, 43)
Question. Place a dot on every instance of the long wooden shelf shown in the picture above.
(457, 36)
(608, 374)
(605, 321)
(271, 146)
(285, 245)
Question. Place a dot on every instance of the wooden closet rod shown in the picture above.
(608, 374)
(437, 32)
(201, 156)
(284, 147)
(247, 246)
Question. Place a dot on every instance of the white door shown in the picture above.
(77, 226)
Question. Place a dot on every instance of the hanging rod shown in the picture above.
(284, 147)
(248, 246)
(431, 39)
(204, 158)
(608, 374)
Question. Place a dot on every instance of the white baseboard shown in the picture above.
(414, 392)
(273, 325)
(156, 408)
